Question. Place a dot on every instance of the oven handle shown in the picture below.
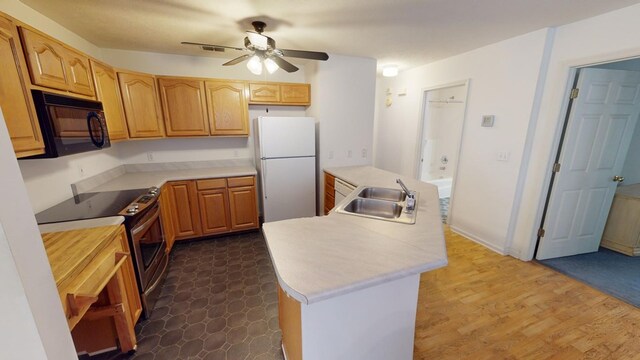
(147, 223)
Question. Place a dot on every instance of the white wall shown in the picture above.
(33, 323)
(343, 99)
(502, 82)
(594, 40)
(631, 168)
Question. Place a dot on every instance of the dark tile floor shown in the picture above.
(219, 301)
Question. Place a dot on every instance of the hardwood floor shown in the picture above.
(487, 306)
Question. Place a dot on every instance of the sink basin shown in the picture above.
(374, 208)
(382, 194)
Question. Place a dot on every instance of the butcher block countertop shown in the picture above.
(69, 252)
(322, 257)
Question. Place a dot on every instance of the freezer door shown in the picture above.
(288, 188)
(286, 136)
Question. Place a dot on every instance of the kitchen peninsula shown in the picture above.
(342, 275)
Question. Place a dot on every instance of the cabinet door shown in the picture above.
(329, 192)
(228, 108)
(15, 97)
(214, 213)
(166, 211)
(140, 100)
(260, 93)
(46, 60)
(295, 94)
(242, 205)
(78, 73)
(184, 107)
(186, 215)
(133, 306)
(108, 91)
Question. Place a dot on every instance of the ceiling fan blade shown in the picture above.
(259, 41)
(212, 46)
(284, 64)
(237, 60)
(313, 55)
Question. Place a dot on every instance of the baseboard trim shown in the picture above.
(478, 240)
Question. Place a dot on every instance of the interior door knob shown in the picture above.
(618, 178)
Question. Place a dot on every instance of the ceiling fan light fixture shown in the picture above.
(255, 65)
(390, 70)
(271, 66)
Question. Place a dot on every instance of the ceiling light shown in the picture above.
(390, 70)
(255, 65)
(271, 66)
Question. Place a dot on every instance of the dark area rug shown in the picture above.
(608, 271)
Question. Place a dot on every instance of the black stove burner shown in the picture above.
(89, 206)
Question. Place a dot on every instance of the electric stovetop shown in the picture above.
(89, 206)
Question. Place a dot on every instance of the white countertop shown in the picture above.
(81, 224)
(146, 179)
(322, 257)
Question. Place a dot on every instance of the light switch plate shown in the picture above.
(487, 120)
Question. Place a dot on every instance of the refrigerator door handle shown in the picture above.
(264, 177)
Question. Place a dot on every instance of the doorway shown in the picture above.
(588, 229)
(440, 138)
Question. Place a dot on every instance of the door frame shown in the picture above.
(419, 135)
(558, 142)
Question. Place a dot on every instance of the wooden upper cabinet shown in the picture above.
(140, 100)
(108, 92)
(279, 93)
(228, 108)
(15, 98)
(295, 94)
(78, 73)
(264, 93)
(53, 65)
(184, 107)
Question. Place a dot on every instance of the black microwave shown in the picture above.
(69, 125)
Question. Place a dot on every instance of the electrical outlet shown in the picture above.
(503, 156)
(149, 156)
(349, 153)
(81, 171)
(331, 154)
(364, 152)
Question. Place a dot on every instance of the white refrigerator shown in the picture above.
(286, 160)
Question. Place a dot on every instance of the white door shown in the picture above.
(600, 126)
(286, 136)
(288, 188)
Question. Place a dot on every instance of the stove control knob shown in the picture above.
(153, 190)
(132, 210)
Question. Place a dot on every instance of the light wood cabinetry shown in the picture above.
(15, 98)
(166, 206)
(186, 214)
(141, 107)
(279, 93)
(108, 92)
(622, 231)
(242, 203)
(53, 65)
(290, 320)
(129, 281)
(228, 108)
(329, 192)
(213, 206)
(184, 107)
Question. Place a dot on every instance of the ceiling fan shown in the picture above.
(262, 49)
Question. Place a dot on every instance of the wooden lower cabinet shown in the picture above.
(290, 320)
(214, 215)
(329, 192)
(166, 204)
(186, 213)
(213, 206)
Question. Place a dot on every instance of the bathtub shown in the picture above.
(444, 186)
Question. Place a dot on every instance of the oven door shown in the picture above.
(148, 243)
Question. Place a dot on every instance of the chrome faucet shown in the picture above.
(411, 196)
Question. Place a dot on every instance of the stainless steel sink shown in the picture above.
(378, 203)
(383, 194)
(372, 207)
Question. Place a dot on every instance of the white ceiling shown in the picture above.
(403, 32)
